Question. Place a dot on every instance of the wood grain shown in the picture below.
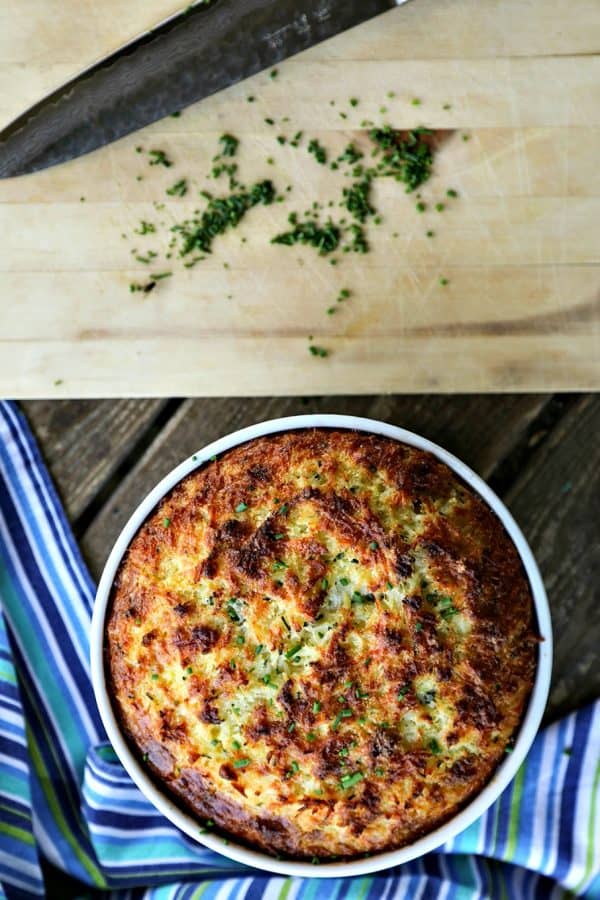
(85, 442)
(481, 430)
(447, 364)
(520, 246)
(43, 44)
(556, 502)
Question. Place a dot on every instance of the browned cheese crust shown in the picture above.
(322, 642)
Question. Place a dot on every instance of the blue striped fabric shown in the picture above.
(64, 796)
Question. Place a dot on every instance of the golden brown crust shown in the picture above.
(323, 642)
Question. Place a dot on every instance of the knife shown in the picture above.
(194, 54)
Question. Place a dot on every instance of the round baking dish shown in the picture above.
(503, 774)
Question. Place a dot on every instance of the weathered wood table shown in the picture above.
(539, 452)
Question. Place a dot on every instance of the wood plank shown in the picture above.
(481, 430)
(495, 162)
(136, 368)
(445, 29)
(401, 303)
(483, 93)
(519, 231)
(556, 502)
(60, 37)
(84, 443)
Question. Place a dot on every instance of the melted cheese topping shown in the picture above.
(322, 642)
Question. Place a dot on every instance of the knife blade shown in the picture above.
(188, 57)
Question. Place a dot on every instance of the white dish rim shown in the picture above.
(256, 858)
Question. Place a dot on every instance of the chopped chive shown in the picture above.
(166, 522)
(159, 158)
(241, 763)
(231, 611)
(357, 597)
(293, 650)
(179, 189)
(241, 507)
(348, 781)
(343, 714)
(319, 152)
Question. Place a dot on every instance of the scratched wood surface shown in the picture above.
(520, 246)
(540, 453)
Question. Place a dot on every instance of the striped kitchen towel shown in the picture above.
(65, 798)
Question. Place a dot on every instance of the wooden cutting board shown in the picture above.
(519, 246)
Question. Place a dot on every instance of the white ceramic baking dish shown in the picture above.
(176, 814)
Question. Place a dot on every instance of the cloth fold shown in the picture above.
(65, 797)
